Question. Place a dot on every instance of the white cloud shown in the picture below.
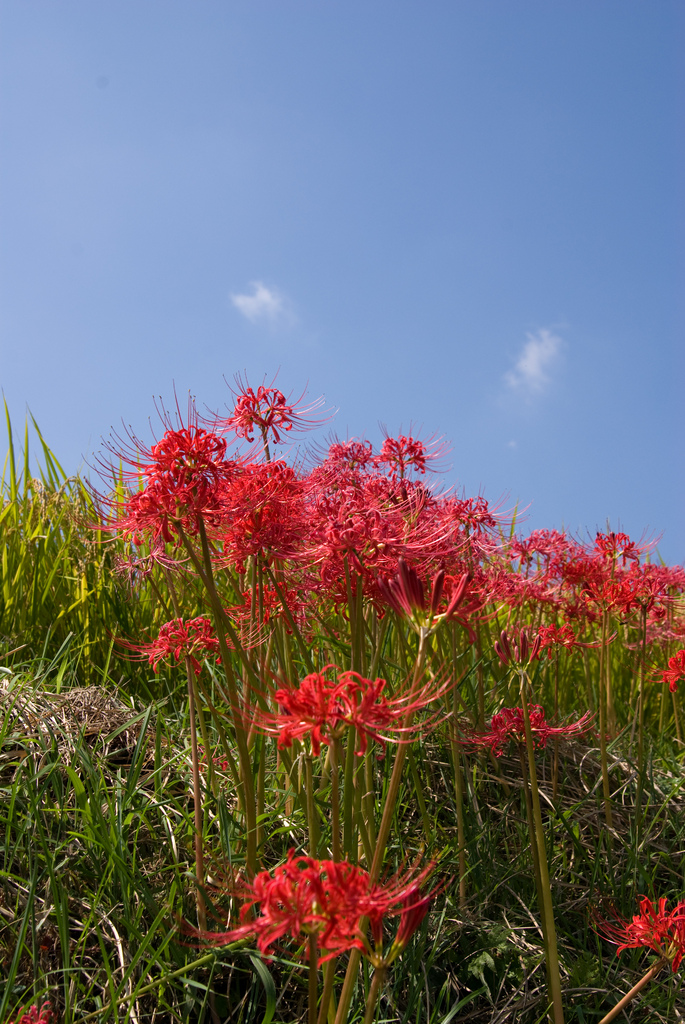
(537, 357)
(264, 305)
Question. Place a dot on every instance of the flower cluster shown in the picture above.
(508, 725)
(267, 409)
(330, 899)
(322, 709)
(675, 670)
(35, 1016)
(654, 927)
(181, 638)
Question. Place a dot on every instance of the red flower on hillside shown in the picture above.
(181, 475)
(262, 513)
(517, 648)
(307, 896)
(563, 636)
(675, 670)
(655, 928)
(402, 453)
(35, 1016)
(323, 708)
(180, 638)
(615, 546)
(268, 410)
(557, 636)
(508, 725)
(405, 594)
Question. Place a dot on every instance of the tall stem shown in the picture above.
(207, 575)
(535, 856)
(383, 833)
(621, 1005)
(198, 809)
(335, 801)
(374, 993)
(459, 800)
(641, 723)
(547, 909)
(603, 728)
(313, 979)
(198, 805)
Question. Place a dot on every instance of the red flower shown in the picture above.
(268, 410)
(613, 546)
(508, 724)
(322, 708)
(522, 652)
(179, 638)
(181, 475)
(34, 1016)
(405, 594)
(655, 928)
(403, 453)
(562, 636)
(262, 513)
(675, 670)
(307, 896)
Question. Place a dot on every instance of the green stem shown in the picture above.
(335, 801)
(327, 999)
(621, 1005)
(239, 725)
(459, 800)
(311, 807)
(313, 979)
(533, 842)
(418, 789)
(641, 725)
(383, 835)
(349, 841)
(374, 993)
(547, 909)
(603, 730)
(198, 804)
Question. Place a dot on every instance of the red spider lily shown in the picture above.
(559, 636)
(550, 546)
(344, 465)
(675, 670)
(564, 636)
(35, 1016)
(323, 708)
(261, 513)
(522, 651)
(180, 638)
(508, 724)
(307, 896)
(655, 928)
(268, 410)
(613, 546)
(269, 607)
(365, 527)
(405, 594)
(182, 476)
(403, 453)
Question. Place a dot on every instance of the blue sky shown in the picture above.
(459, 216)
